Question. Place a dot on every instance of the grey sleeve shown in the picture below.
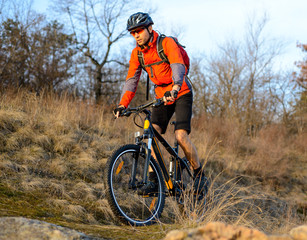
(178, 70)
(132, 83)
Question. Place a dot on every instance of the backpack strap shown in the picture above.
(163, 59)
(160, 49)
(142, 62)
(141, 59)
(161, 54)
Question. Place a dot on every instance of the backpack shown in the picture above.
(163, 57)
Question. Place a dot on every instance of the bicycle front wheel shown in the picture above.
(123, 177)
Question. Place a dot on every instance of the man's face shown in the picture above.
(141, 35)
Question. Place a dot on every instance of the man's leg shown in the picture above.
(183, 111)
(201, 183)
(187, 147)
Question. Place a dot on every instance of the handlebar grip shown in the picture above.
(159, 102)
(126, 113)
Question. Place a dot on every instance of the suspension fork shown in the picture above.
(133, 170)
(148, 133)
(148, 157)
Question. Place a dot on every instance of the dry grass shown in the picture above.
(272, 154)
(54, 149)
(235, 204)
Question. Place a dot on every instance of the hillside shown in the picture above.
(53, 151)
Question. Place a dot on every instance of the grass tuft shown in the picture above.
(53, 150)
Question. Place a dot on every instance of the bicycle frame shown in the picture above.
(171, 177)
(132, 197)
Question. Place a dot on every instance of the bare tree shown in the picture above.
(201, 93)
(301, 78)
(259, 57)
(97, 25)
(241, 75)
(300, 105)
(20, 11)
(225, 77)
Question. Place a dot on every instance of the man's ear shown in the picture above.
(150, 29)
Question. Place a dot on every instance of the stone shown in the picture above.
(19, 228)
(299, 233)
(217, 231)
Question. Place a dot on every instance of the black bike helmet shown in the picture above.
(137, 20)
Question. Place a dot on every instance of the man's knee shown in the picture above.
(157, 127)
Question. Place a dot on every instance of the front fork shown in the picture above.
(146, 150)
(148, 157)
(132, 180)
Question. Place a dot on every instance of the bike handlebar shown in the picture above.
(141, 108)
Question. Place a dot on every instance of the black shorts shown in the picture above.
(182, 108)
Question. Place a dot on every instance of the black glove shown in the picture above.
(172, 93)
(119, 109)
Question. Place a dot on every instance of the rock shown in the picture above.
(299, 233)
(19, 228)
(176, 235)
(281, 237)
(218, 230)
(222, 231)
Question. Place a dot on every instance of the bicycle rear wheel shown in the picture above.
(123, 177)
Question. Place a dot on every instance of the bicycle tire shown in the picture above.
(127, 205)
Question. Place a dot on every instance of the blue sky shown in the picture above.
(206, 23)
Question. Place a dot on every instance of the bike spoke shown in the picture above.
(126, 178)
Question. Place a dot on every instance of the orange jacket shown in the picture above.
(162, 74)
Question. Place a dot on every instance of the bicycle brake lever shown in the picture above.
(125, 113)
(158, 103)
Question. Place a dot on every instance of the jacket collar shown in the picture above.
(151, 43)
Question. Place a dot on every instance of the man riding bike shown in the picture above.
(170, 83)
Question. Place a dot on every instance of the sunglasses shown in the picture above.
(138, 31)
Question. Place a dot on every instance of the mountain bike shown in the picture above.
(127, 170)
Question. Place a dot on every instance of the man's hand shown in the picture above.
(170, 96)
(117, 111)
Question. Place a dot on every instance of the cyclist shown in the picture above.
(170, 83)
